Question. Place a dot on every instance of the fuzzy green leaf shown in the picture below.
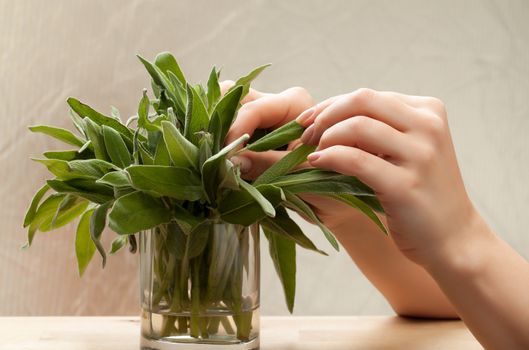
(277, 138)
(86, 111)
(223, 116)
(247, 79)
(197, 118)
(161, 155)
(77, 169)
(148, 213)
(85, 188)
(63, 214)
(213, 89)
(95, 134)
(166, 62)
(297, 204)
(360, 205)
(283, 225)
(97, 225)
(30, 214)
(115, 179)
(176, 182)
(118, 243)
(84, 247)
(68, 155)
(182, 152)
(116, 148)
(283, 166)
(241, 207)
(60, 134)
(283, 254)
(210, 169)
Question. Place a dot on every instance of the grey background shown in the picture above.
(472, 54)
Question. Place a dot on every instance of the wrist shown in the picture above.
(464, 253)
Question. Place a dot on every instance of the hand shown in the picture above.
(265, 110)
(401, 147)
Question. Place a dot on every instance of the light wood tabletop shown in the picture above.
(277, 333)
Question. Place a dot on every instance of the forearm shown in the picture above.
(483, 277)
(407, 287)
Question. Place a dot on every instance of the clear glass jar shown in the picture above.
(200, 290)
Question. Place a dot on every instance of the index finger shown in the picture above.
(269, 111)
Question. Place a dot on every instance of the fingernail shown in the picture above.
(313, 156)
(244, 163)
(305, 116)
(307, 134)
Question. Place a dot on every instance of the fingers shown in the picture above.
(307, 117)
(253, 164)
(385, 108)
(380, 175)
(367, 134)
(269, 111)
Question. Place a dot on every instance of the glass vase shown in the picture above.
(200, 291)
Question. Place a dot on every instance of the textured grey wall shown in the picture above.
(472, 54)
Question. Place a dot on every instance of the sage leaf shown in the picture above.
(97, 225)
(30, 213)
(283, 225)
(285, 164)
(213, 89)
(283, 254)
(198, 239)
(267, 207)
(65, 155)
(197, 118)
(84, 247)
(114, 113)
(116, 148)
(247, 79)
(223, 116)
(176, 182)
(64, 213)
(84, 110)
(118, 243)
(241, 207)
(148, 213)
(143, 113)
(277, 138)
(166, 62)
(95, 134)
(87, 189)
(58, 133)
(297, 204)
(183, 153)
(115, 179)
(210, 169)
(161, 155)
(67, 202)
(44, 212)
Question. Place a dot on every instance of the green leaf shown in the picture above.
(77, 169)
(161, 155)
(84, 247)
(240, 207)
(247, 79)
(86, 111)
(210, 169)
(77, 122)
(213, 89)
(297, 204)
(176, 182)
(283, 166)
(148, 213)
(66, 211)
(182, 152)
(179, 97)
(114, 113)
(95, 134)
(115, 179)
(66, 155)
(116, 148)
(146, 157)
(360, 205)
(223, 116)
(283, 254)
(267, 207)
(118, 243)
(277, 138)
(283, 225)
(97, 225)
(166, 62)
(322, 181)
(30, 214)
(84, 188)
(43, 213)
(198, 239)
(143, 113)
(60, 134)
(197, 118)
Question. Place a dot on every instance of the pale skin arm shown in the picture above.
(401, 146)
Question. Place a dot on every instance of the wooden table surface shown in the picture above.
(277, 333)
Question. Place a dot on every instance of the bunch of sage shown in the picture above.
(168, 168)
